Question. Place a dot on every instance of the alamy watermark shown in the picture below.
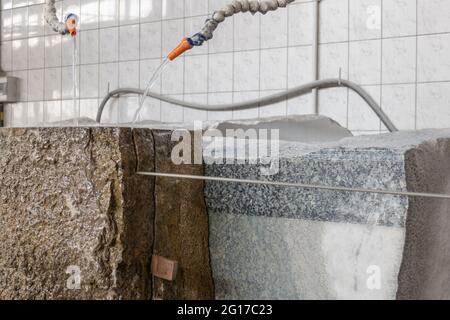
(74, 280)
(374, 277)
(234, 146)
(373, 21)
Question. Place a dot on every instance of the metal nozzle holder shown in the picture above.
(71, 22)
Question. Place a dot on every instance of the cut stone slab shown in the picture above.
(182, 227)
(291, 243)
(72, 224)
(77, 222)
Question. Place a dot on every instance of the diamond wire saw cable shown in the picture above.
(295, 185)
(271, 99)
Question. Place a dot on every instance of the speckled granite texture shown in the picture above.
(278, 258)
(370, 168)
(288, 243)
(371, 162)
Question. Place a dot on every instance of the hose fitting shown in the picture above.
(71, 22)
(185, 45)
(197, 39)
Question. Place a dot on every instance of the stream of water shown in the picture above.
(151, 82)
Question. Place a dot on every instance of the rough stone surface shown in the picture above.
(70, 198)
(181, 227)
(424, 273)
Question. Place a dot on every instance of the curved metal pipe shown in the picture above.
(264, 101)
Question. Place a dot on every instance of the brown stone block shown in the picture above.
(181, 227)
(75, 220)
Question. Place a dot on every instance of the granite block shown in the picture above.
(272, 242)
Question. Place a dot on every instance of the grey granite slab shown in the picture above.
(288, 243)
(370, 162)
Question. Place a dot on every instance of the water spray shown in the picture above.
(237, 6)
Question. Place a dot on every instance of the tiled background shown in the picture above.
(398, 49)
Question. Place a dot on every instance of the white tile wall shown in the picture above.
(399, 50)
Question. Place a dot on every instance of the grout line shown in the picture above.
(98, 55)
(233, 55)
(417, 67)
(263, 91)
(162, 75)
(206, 16)
(208, 113)
(43, 79)
(260, 62)
(27, 63)
(381, 60)
(61, 72)
(119, 63)
(183, 110)
(247, 50)
(140, 61)
(287, 57)
(348, 63)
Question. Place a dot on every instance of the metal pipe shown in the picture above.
(296, 185)
(268, 100)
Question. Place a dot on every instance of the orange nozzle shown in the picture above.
(71, 25)
(180, 49)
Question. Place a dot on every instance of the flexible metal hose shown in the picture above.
(52, 19)
(237, 6)
(271, 99)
